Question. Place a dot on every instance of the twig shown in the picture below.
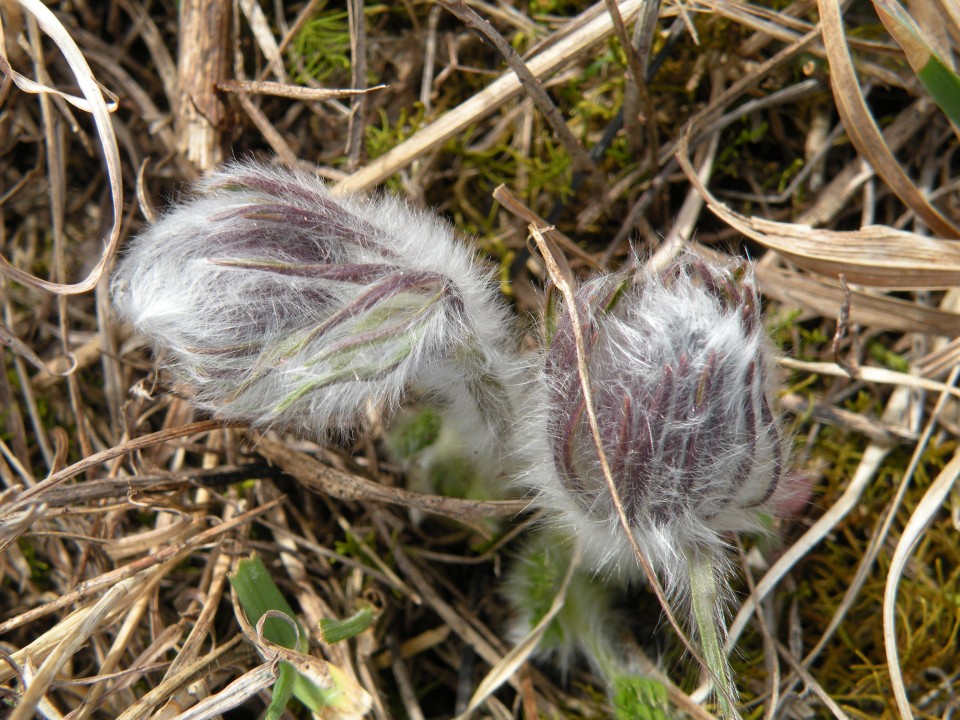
(530, 83)
(358, 79)
(562, 278)
(487, 101)
(294, 92)
(325, 479)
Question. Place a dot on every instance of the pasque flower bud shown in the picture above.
(277, 302)
(680, 372)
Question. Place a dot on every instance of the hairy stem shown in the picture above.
(703, 600)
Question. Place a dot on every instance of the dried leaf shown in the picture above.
(875, 255)
(862, 128)
(825, 297)
(97, 106)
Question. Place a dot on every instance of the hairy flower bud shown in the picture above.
(679, 370)
(277, 302)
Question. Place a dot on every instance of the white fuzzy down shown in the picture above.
(677, 509)
(246, 341)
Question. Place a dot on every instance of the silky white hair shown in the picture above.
(277, 302)
(680, 373)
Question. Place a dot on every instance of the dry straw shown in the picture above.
(802, 129)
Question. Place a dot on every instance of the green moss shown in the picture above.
(321, 50)
(887, 357)
(852, 667)
(39, 568)
(639, 698)
(322, 46)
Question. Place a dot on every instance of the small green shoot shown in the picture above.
(639, 698)
(414, 432)
(937, 77)
(258, 595)
(333, 631)
(887, 357)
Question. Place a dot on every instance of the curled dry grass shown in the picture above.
(801, 132)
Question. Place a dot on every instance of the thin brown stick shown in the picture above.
(641, 45)
(358, 79)
(634, 63)
(294, 92)
(99, 458)
(325, 479)
(560, 279)
(530, 84)
(512, 204)
(862, 128)
(768, 639)
(95, 585)
(284, 152)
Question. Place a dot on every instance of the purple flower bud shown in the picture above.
(680, 374)
(277, 302)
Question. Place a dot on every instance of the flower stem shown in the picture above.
(703, 597)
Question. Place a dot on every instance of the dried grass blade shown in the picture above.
(63, 653)
(93, 94)
(171, 685)
(485, 102)
(932, 70)
(876, 430)
(948, 9)
(80, 466)
(45, 708)
(870, 462)
(22, 349)
(294, 92)
(170, 554)
(929, 506)
(872, 374)
(836, 196)
(260, 26)
(872, 310)
(511, 204)
(940, 360)
(33, 87)
(451, 615)
(156, 45)
(511, 662)
(875, 255)
(862, 128)
(880, 536)
(244, 687)
(811, 683)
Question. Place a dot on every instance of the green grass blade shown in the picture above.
(281, 693)
(935, 75)
(258, 594)
(944, 87)
(332, 631)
